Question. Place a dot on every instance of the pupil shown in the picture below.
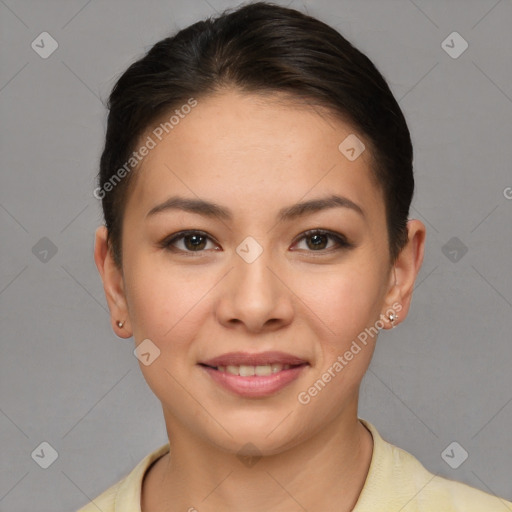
(318, 239)
(195, 240)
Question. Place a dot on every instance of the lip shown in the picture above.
(256, 359)
(255, 386)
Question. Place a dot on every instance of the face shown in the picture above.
(226, 274)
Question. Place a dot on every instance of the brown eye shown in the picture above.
(191, 241)
(194, 242)
(318, 240)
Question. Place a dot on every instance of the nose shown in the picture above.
(254, 297)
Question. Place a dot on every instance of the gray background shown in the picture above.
(442, 376)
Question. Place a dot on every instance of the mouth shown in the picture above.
(254, 375)
(262, 370)
(257, 359)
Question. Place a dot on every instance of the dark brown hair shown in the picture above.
(259, 48)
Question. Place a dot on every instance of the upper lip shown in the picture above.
(258, 359)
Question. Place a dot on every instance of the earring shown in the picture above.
(120, 324)
(392, 317)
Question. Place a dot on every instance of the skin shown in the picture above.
(254, 156)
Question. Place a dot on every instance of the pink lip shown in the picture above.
(255, 386)
(257, 359)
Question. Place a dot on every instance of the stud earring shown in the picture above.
(392, 317)
(120, 324)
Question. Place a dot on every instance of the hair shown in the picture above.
(259, 48)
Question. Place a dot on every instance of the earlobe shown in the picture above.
(113, 284)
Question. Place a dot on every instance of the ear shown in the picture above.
(404, 273)
(113, 284)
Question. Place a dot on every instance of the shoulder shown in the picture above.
(434, 493)
(124, 496)
(105, 501)
(452, 496)
(397, 480)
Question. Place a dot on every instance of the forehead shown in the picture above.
(235, 145)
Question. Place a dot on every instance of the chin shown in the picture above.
(255, 435)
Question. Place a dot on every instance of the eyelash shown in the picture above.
(340, 240)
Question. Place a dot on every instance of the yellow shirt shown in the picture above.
(396, 481)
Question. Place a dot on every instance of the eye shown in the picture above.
(191, 241)
(317, 239)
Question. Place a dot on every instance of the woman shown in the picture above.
(256, 182)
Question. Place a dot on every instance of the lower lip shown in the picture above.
(255, 386)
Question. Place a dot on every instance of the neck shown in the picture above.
(330, 467)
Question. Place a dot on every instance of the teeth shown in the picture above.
(233, 369)
(249, 371)
(246, 371)
(263, 370)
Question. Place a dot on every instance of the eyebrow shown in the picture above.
(213, 210)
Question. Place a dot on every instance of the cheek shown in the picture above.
(349, 306)
(164, 301)
(165, 307)
(345, 301)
